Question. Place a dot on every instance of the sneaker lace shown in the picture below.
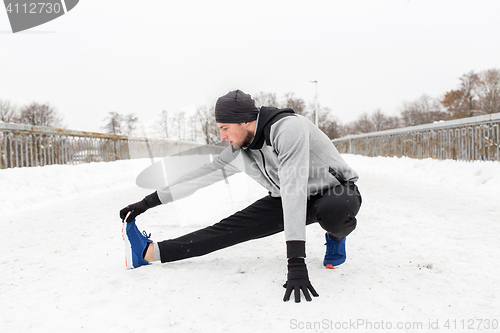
(145, 234)
(331, 248)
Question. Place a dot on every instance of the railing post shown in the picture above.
(2, 151)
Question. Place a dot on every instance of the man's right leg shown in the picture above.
(336, 212)
(263, 218)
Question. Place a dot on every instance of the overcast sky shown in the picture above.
(143, 57)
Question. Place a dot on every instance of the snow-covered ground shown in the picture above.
(425, 254)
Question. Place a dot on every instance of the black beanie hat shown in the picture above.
(235, 107)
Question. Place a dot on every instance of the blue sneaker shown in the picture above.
(135, 244)
(335, 252)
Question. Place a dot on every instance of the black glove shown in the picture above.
(140, 207)
(298, 280)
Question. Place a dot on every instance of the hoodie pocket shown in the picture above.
(337, 175)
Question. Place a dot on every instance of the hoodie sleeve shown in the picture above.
(220, 168)
(290, 139)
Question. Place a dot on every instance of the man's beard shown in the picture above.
(248, 139)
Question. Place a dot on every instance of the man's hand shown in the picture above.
(298, 280)
(140, 207)
(134, 209)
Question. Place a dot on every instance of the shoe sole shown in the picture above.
(128, 248)
(330, 266)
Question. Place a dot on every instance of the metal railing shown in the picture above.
(467, 139)
(27, 146)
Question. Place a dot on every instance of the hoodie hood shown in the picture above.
(267, 117)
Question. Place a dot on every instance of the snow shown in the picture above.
(425, 251)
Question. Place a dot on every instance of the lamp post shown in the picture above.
(315, 102)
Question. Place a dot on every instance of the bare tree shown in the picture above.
(363, 124)
(393, 122)
(163, 124)
(297, 104)
(39, 115)
(366, 123)
(489, 90)
(266, 99)
(347, 129)
(329, 123)
(193, 122)
(468, 86)
(114, 123)
(379, 120)
(423, 110)
(130, 124)
(7, 111)
(382, 122)
(179, 121)
(410, 114)
(206, 119)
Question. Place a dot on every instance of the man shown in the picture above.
(307, 179)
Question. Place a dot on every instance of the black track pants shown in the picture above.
(335, 210)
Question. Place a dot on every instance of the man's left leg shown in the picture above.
(263, 218)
